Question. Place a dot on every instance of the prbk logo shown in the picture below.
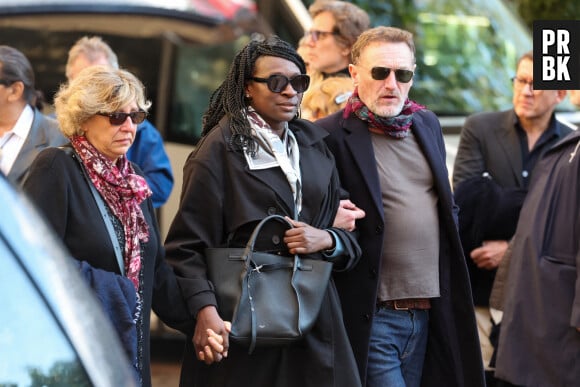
(557, 55)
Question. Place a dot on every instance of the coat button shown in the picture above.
(276, 239)
(379, 229)
(367, 317)
(373, 273)
(271, 210)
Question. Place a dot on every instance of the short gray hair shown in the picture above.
(91, 48)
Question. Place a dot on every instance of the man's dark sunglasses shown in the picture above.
(118, 118)
(278, 82)
(381, 73)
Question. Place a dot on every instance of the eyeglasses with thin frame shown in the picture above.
(519, 83)
(401, 75)
(118, 118)
(317, 34)
(277, 82)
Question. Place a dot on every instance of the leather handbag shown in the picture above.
(270, 299)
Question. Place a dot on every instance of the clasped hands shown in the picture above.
(211, 337)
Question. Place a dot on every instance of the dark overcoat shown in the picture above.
(453, 356)
(539, 344)
(56, 185)
(222, 199)
(490, 143)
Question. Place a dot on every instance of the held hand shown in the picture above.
(210, 340)
(489, 255)
(215, 350)
(305, 239)
(347, 215)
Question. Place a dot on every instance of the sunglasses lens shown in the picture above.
(403, 76)
(277, 83)
(138, 117)
(117, 118)
(300, 83)
(380, 73)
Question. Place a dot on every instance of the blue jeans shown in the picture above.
(397, 348)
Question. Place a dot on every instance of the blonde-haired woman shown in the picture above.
(99, 204)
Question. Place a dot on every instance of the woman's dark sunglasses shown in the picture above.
(118, 118)
(381, 73)
(278, 82)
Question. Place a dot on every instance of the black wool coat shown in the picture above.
(56, 185)
(222, 199)
(453, 356)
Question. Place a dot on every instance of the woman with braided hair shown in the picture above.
(256, 158)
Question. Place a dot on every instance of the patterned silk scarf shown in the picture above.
(397, 126)
(123, 190)
(277, 153)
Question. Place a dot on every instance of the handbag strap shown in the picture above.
(252, 269)
(102, 209)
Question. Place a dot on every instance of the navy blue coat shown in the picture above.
(453, 355)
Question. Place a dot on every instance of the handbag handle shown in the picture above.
(252, 240)
(295, 264)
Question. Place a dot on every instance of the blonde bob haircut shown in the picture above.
(97, 89)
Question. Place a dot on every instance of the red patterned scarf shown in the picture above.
(123, 190)
(397, 126)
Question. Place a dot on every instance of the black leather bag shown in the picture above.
(270, 299)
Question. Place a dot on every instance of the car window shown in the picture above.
(34, 349)
(198, 71)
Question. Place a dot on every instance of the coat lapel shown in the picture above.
(433, 154)
(508, 140)
(358, 141)
(275, 180)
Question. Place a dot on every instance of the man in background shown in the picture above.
(24, 130)
(147, 150)
(504, 147)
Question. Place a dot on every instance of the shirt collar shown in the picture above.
(24, 123)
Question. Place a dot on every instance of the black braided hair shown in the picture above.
(229, 100)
